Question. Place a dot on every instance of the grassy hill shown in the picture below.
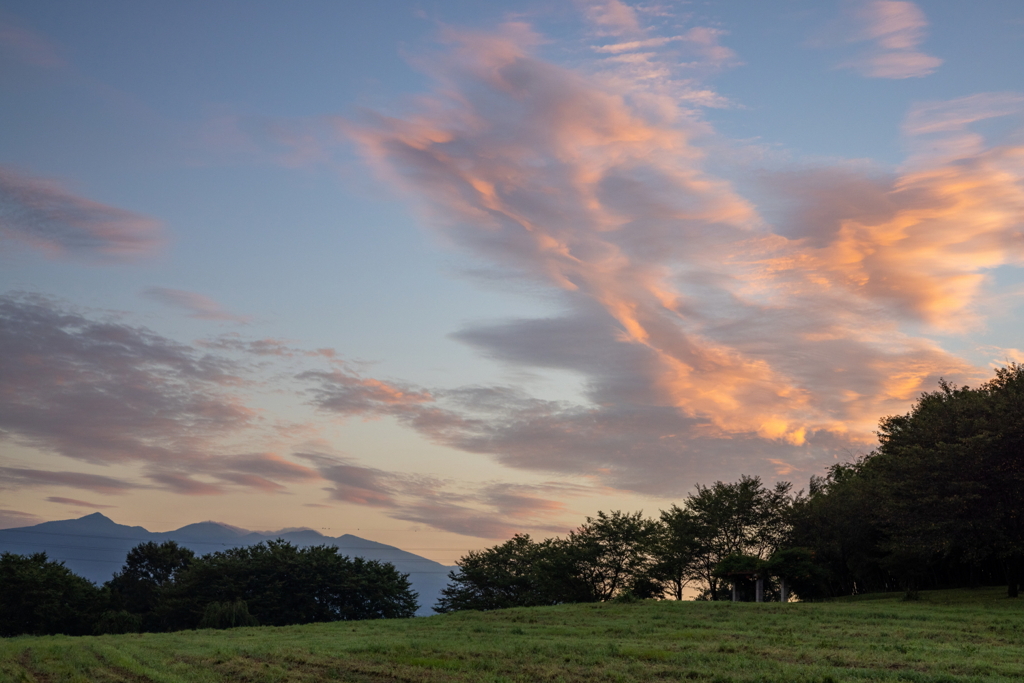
(965, 635)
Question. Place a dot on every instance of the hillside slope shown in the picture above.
(974, 636)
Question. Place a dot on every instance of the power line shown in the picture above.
(222, 543)
(47, 546)
(87, 559)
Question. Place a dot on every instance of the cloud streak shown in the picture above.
(77, 503)
(42, 215)
(196, 305)
(483, 511)
(893, 30)
(107, 393)
(102, 392)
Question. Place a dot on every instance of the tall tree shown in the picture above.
(951, 475)
(613, 552)
(148, 570)
(518, 573)
(739, 518)
(676, 548)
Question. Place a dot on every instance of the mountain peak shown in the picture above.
(209, 529)
(96, 517)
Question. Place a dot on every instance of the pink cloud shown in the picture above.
(12, 519)
(611, 17)
(41, 214)
(347, 392)
(483, 511)
(699, 329)
(197, 305)
(77, 503)
(893, 30)
(107, 393)
(29, 47)
(11, 477)
(185, 484)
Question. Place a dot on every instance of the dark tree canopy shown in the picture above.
(282, 584)
(41, 597)
(165, 587)
(940, 502)
(149, 569)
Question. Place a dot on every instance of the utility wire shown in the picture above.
(222, 543)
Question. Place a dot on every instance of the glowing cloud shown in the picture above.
(687, 313)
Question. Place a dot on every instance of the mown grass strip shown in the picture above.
(947, 637)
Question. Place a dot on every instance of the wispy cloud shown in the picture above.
(104, 392)
(107, 393)
(702, 330)
(12, 519)
(20, 477)
(41, 214)
(198, 306)
(484, 511)
(665, 74)
(893, 30)
(77, 503)
(611, 17)
(940, 131)
(28, 46)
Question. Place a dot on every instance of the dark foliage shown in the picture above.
(517, 573)
(282, 584)
(940, 502)
(165, 587)
(40, 597)
(139, 588)
(227, 615)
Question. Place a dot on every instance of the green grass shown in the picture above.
(968, 635)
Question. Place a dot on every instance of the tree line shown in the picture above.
(166, 587)
(938, 504)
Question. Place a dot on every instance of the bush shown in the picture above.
(227, 615)
(118, 621)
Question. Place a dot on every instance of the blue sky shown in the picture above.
(439, 272)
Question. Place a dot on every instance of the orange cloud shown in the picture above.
(743, 330)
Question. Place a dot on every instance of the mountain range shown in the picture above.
(95, 547)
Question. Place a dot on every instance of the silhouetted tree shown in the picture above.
(42, 597)
(739, 518)
(675, 550)
(613, 553)
(517, 573)
(148, 570)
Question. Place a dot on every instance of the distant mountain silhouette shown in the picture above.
(95, 547)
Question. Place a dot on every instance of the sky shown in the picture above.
(435, 273)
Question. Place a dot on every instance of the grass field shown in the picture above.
(968, 635)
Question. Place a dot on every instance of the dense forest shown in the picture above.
(938, 504)
(165, 587)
